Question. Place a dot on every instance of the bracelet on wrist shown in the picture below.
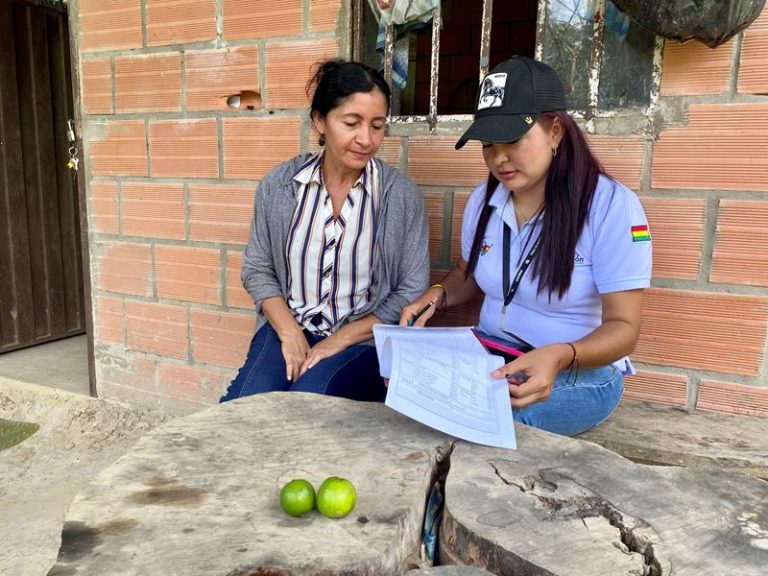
(445, 292)
(574, 358)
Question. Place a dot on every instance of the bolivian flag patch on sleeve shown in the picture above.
(640, 233)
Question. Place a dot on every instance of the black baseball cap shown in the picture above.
(511, 98)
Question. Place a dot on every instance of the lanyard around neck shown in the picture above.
(509, 290)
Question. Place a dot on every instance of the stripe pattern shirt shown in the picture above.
(330, 259)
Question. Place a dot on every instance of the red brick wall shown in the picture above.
(171, 172)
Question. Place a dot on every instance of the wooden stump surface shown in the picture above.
(200, 495)
(565, 507)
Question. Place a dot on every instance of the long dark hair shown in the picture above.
(336, 80)
(568, 192)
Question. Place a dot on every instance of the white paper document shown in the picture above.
(441, 377)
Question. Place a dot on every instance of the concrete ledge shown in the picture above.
(78, 437)
(662, 435)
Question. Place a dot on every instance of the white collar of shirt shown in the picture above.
(500, 199)
(311, 172)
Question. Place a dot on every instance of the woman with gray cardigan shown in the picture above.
(339, 242)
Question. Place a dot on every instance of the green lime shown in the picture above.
(297, 497)
(336, 497)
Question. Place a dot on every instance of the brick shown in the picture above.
(192, 384)
(220, 213)
(97, 86)
(180, 21)
(262, 19)
(109, 320)
(236, 295)
(677, 227)
(433, 161)
(658, 387)
(212, 76)
(434, 203)
(188, 274)
(127, 370)
(621, 156)
(753, 75)
(289, 67)
(104, 207)
(730, 398)
(740, 255)
(118, 148)
(253, 146)
(148, 83)
(460, 200)
(109, 25)
(389, 151)
(153, 210)
(184, 148)
(695, 68)
(125, 268)
(158, 329)
(716, 150)
(323, 15)
(133, 396)
(220, 338)
(722, 333)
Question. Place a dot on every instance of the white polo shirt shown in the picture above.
(613, 254)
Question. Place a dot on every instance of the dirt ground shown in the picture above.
(78, 437)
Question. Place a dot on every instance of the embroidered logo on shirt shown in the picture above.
(485, 248)
(578, 260)
(641, 233)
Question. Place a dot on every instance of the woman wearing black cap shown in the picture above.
(560, 250)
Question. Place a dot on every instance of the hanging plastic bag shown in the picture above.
(712, 22)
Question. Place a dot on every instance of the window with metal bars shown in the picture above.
(434, 61)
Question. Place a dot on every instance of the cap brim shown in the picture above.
(498, 128)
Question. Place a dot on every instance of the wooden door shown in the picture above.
(41, 281)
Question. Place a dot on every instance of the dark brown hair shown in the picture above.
(336, 80)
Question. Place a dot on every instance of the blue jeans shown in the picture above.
(579, 401)
(352, 373)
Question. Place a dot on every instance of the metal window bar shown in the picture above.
(485, 39)
(595, 63)
(541, 28)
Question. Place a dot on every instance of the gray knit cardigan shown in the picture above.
(401, 257)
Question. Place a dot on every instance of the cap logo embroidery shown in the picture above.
(528, 120)
(492, 91)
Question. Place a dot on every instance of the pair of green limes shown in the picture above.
(335, 498)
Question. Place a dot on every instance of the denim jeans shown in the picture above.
(579, 401)
(352, 373)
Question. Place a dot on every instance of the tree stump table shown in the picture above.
(199, 496)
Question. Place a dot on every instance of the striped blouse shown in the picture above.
(330, 260)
